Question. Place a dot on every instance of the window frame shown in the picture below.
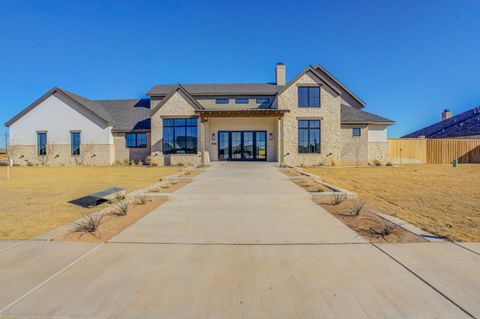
(359, 129)
(309, 98)
(222, 101)
(75, 152)
(244, 101)
(310, 128)
(42, 151)
(259, 99)
(170, 123)
(137, 140)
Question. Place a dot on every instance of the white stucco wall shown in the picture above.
(269, 124)
(58, 119)
(377, 133)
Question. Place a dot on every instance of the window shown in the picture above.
(263, 100)
(179, 136)
(309, 136)
(136, 140)
(42, 143)
(75, 143)
(308, 96)
(221, 101)
(241, 101)
(356, 131)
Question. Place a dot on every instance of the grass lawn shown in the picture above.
(35, 199)
(438, 198)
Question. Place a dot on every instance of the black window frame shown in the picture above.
(222, 101)
(356, 129)
(242, 101)
(311, 126)
(42, 150)
(138, 142)
(74, 148)
(266, 100)
(174, 124)
(310, 98)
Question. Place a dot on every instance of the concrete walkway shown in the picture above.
(241, 241)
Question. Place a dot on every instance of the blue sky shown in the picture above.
(407, 59)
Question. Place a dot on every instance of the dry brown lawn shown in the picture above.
(36, 199)
(437, 198)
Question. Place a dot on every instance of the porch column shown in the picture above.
(281, 141)
(202, 140)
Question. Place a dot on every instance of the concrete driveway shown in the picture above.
(241, 241)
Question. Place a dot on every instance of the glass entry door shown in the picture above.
(242, 146)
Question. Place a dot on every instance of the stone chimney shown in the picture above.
(280, 74)
(446, 114)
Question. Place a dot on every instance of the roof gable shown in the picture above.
(323, 75)
(71, 98)
(178, 87)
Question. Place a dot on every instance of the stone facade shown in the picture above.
(378, 151)
(177, 106)
(329, 116)
(60, 154)
(355, 149)
(123, 153)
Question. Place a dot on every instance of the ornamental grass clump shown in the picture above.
(357, 207)
(88, 223)
(338, 198)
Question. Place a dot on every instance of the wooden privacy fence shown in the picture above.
(433, 151)
(407, 150)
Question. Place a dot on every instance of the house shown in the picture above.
(464, 125)
(311, 120)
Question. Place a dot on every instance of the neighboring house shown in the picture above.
(311, 120)
(464, 125)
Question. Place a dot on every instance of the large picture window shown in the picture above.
(179, 136)
(308, 96)
(42, 143)
(136, 140)
(309, 136)
(75, 143)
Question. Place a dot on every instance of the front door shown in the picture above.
(242, 146)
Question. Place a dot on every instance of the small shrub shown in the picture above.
(333, 162)
(380, 227)
(377, 163)
(126, 162)
(357, 207)
(151, 161)
(180, 164)
(88, 223)
(121, 208)
(141, 198)
(338, 198)
(389, 164)
(131, 162)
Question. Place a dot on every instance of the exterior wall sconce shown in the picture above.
(270, 136)
(213, 137)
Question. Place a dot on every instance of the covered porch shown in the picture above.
(241, 135)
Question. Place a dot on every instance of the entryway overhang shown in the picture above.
(205, 115)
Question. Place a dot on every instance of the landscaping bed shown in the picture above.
(112, 224)
(37, 199)
(440, 199)
(367, 224)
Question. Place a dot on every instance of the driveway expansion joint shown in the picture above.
(425, 281)
(50, 278)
